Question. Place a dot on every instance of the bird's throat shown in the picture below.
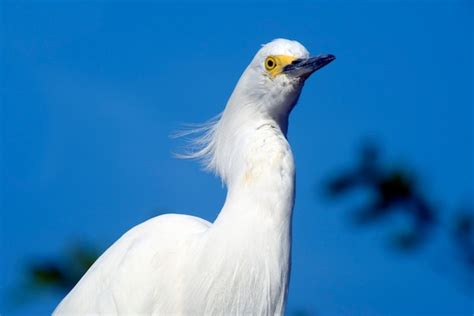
(262, 185)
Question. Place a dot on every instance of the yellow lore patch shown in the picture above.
(275, 64)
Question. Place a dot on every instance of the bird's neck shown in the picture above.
(261, 181)
(254, 226)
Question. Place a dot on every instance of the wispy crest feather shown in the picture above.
(200, 142)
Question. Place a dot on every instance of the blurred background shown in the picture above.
(383, 140)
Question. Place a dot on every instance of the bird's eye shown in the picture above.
(270, 63)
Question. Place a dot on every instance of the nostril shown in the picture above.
(296, 61)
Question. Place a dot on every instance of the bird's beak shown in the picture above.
(304, 67)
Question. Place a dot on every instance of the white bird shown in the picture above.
(240, 264)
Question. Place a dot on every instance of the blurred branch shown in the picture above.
(396, 191)
(55, 274)
(393, 190)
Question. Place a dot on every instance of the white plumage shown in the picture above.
(239, 265)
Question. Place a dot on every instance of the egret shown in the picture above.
(240, 264)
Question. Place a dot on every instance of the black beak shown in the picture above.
(305, 67)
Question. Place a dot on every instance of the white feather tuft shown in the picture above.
(200, 142)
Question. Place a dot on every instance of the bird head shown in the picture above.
(276, 75)
(266, 93)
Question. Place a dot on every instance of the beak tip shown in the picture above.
(329, 57)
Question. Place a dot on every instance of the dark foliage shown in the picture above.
(62, 273)
(392, 191)
(396, 191)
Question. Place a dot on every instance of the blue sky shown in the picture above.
(91, 91)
